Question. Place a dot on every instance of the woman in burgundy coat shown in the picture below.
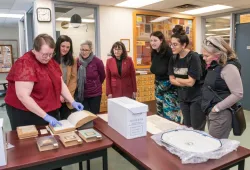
(120, 73)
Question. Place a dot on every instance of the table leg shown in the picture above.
(88, 164)
(241, 165)
(80, 166)
(105, 160)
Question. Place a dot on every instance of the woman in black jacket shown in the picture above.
(166, 94)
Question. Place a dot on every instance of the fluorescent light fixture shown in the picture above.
(68, 19)
(206, 9)
(220, 29)
(210, 34)
(11, 15)
(208, 25)
(223, 35)
(136, 3)
(160, 19)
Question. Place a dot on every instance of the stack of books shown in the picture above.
(24, 132)
(90, 135)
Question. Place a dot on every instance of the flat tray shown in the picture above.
(191, 141)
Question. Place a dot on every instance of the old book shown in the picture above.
(46, 143)
(29, 131)
(70, 139)
(75, 120)
(90, 135)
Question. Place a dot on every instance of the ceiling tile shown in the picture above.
(6, 4)
(22, 5)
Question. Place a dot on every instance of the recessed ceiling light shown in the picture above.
(11, 15)
(160, 19)
(68, 19)
(220, 29)
(206, 9)
(137, 3)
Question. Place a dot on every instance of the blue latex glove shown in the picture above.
(78, 106)
(51, 120)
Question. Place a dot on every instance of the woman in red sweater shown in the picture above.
(120, 73)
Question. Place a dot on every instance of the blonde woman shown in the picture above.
(223, 78)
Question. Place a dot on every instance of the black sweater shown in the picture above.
(160, 62)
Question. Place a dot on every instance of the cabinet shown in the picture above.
(145, 90)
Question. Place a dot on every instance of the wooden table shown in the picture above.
(144, 153)
(25, 154)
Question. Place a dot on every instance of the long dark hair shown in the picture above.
(119, 45)
(164, 46)
(68, 58)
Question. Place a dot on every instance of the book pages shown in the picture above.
(65, 125)
(75, 117)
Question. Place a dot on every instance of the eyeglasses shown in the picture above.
(47, 54)
(173, 45)
(209, 43)
(84, 50)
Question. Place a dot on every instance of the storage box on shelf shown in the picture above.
(145, 90)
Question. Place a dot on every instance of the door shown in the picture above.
(242, 48)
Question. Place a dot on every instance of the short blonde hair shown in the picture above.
(224, 51)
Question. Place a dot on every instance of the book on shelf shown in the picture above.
(70, 139)
(90, 135)
(75, 120)
(46, 143)
(29, 131)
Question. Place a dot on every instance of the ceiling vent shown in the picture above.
(187, 6)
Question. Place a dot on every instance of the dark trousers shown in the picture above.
(64, 111)
(92, 104)
(192, 114)
(22, 118)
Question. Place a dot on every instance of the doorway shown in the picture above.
(242, 48)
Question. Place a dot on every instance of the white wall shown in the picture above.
(10, 33)
(44, 27)
(78, 35)
(199, 34)
(115, 24)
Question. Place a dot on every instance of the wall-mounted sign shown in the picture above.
(245, 18)
(140, 43)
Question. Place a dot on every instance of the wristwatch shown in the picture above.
(216, 109)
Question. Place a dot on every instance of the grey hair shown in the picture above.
(87, 42)
(225, 53)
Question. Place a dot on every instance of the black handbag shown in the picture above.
(238, 117)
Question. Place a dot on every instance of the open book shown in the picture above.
(75, 120)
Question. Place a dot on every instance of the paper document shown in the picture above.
(103, 117)
(157, 124)
(65, 124)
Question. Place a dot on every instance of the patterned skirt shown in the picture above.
(167, 102)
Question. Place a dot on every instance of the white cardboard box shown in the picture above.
(3, 151)
(128, 117)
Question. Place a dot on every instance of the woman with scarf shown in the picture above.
(64, 56)
(91, 75)
(223, 78)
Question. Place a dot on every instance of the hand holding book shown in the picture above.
(51, 120)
